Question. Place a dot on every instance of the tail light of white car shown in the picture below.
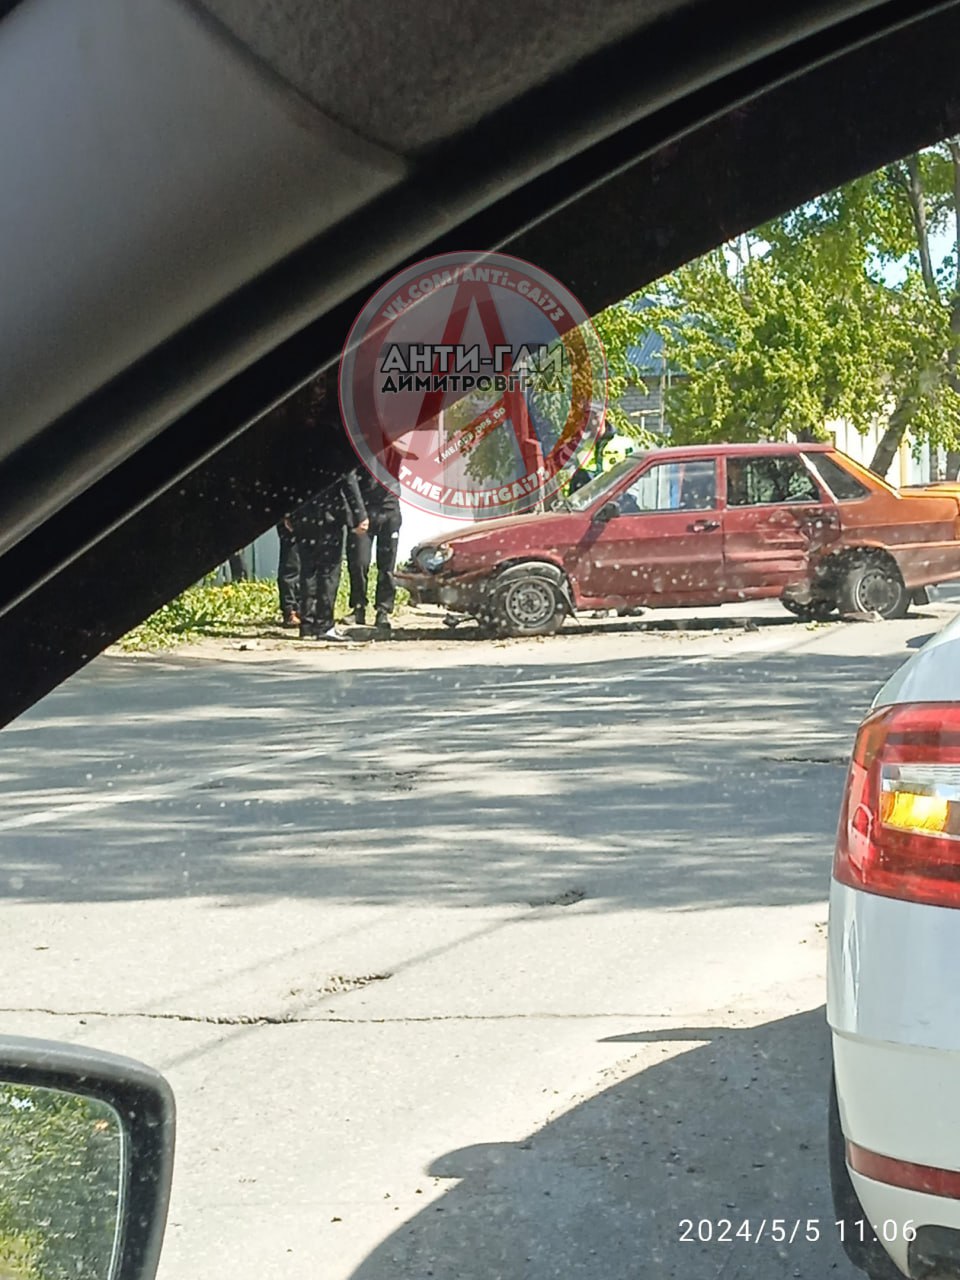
(899, 833)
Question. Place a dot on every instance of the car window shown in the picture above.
(359, 843)
(844, 486)
(673, 486)
(754, 482)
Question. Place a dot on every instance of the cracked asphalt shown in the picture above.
(465, 959)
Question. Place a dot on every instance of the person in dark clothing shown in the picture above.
(238, 567)
(383, 509)
(288, 574)
(579, 478)
(320, 524)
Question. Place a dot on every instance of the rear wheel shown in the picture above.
(529, 604)
(867, 1254)
(873, 585)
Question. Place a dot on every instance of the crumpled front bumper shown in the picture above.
(459, 594)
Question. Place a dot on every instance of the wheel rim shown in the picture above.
(529, 603)
(877, 592)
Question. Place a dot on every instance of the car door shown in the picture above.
(776, 517)
(664, 545)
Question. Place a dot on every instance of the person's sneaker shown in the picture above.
(333, 636)
(360, 616)
(383, 622)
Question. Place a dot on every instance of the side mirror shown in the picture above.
(607, 512)
(86, 1158)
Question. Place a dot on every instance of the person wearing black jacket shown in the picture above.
(320, 524)
(383, 509)
(288, 574)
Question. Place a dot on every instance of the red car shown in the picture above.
(701, 526)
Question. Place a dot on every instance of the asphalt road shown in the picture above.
(465, 959)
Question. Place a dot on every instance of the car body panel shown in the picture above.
(893, 1006)
(901, 1209)
(899, 1101)
(672, 556)
(773, 547)
(931, 675)
(712, 551)
(886, 964)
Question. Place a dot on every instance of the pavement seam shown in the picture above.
(252, 1020)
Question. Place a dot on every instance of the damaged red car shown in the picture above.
(702, 526)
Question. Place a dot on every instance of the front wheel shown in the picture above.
(873, 586)
(812, 611)
(529, 604)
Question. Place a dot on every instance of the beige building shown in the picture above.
(906, 469)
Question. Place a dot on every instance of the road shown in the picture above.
(465, 959)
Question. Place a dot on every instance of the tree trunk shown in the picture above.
(953, 464)
(918, 210)
(892, 437)
(933, 455)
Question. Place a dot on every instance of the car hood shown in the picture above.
(482, 530)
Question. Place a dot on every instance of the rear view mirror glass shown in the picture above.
(61, 1174)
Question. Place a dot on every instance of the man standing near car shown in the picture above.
(383, 509)
(288, 574)
(322, 522)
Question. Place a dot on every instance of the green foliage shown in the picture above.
(831, 311)
(213, 609)
(619, 328)
(206, 610)
(60, 1165)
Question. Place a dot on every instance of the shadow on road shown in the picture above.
(662, 782)
(410, 628)
(731, 1130)
(917, 642)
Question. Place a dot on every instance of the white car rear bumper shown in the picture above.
(894, 1010)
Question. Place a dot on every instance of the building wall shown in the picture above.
(905, 469)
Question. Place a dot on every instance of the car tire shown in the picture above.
(869, 1255)
(528, 604)
(812, 611)
(873, 585)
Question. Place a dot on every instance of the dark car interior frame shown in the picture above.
(709, 120)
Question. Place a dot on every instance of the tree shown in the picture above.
(835, 310)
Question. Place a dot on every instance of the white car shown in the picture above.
(894, 977)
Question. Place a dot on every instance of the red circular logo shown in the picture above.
(470, 384)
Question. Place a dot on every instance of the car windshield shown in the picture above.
(601, 485)
(476, 907)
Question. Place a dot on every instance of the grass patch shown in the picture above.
(209, 609)
(224, 609)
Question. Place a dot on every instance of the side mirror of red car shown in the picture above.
(607, 512)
